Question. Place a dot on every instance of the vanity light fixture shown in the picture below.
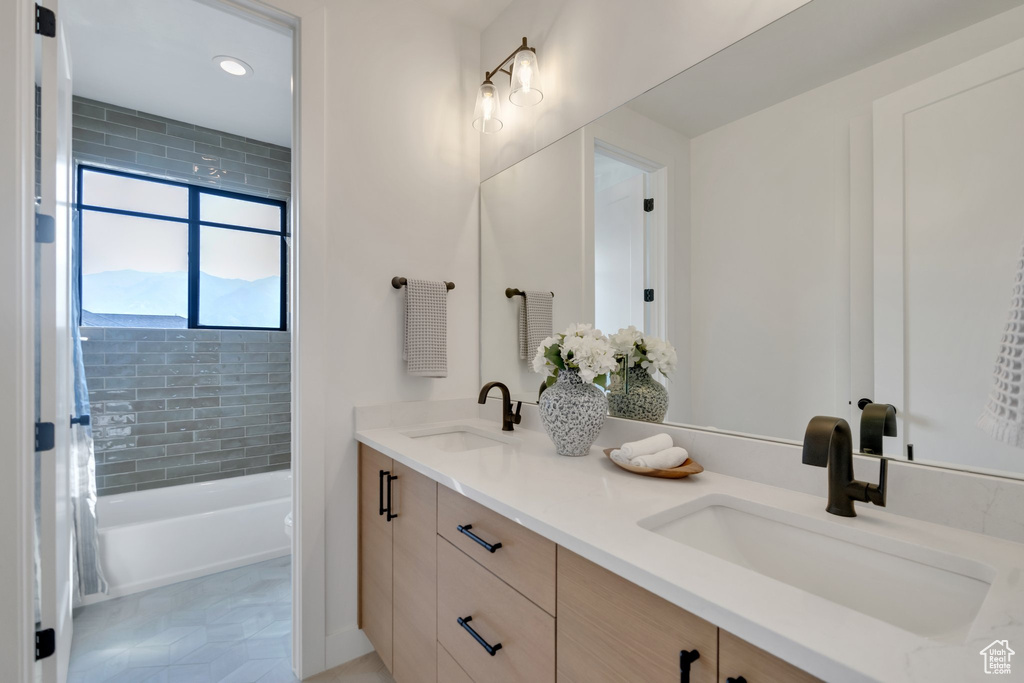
(525, 88)
(233, 65)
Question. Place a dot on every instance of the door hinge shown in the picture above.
(45, 436)
(46, 21)
(46, 643)
(649, 205)
(83, 420)
(46, 229)
(648, 295)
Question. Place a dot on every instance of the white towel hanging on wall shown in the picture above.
(1003, 417)
(426, 328)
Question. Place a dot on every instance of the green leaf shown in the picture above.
(601, 381)
(551, 380)
(554, 356)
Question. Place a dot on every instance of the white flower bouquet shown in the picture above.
(653, 354)
(580, 347)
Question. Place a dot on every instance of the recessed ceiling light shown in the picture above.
(233, 65)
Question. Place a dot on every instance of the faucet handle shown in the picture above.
(517, 417)
(876, 493)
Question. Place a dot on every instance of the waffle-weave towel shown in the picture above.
(426, 328)
(534, 322)
(1003, 416)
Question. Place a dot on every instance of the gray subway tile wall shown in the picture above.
(112, 136)
(179, 406)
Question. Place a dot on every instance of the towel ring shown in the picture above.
(511, 292)
(399, 282)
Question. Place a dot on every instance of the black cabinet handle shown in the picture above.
(738, 679)
(686, 658)
(390, 514)
(380, 498)
(465, 528)
(491, 649)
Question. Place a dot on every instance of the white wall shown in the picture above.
(771, 231)
(531, 226)
(401, 176)
(595, 55)
(16, 191)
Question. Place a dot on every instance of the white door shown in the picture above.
(54, 376)
(949, 221)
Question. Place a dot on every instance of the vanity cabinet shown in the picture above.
(452, 592)
(739, 659)
(398, 566)
(612, 630)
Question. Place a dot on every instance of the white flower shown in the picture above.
(661, 356)
(625, 343)
(539, 361)
(582, 330)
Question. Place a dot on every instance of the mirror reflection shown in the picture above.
(837, 236)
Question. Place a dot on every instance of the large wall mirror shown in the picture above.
(838, 214)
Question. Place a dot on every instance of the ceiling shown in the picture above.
(476, 13)
(816, 44)
(156, 56)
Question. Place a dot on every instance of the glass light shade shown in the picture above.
(526, 86)
(487, 115)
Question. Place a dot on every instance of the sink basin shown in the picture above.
(459, 439)
(915, 588)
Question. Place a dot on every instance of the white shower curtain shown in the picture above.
(88, 572)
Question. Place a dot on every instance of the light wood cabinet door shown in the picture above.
(737, 657)
(612, 630)
(499, 615)
(375, 553)
(414, 501)
(525, 560)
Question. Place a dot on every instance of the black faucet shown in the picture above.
(828, 442)
(877, 420)
(508, 418)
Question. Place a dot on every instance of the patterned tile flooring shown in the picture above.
(231, 627)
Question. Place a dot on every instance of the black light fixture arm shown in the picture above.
(508, 59)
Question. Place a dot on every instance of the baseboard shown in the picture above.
(117, 591)
(344, 646)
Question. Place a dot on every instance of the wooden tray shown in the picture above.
(686, 469)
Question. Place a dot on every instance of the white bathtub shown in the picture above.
(161, 536)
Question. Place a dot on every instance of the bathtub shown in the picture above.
(161, 536)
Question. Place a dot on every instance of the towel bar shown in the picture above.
(510, 292)
(399, 282)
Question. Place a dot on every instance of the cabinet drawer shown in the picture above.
(524, 561)
(448, 670)
(498, 615)
(737, 657)
(611, 630)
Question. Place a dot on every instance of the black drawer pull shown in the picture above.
(491, 649)
(738, 679)
(380, 499)
(491, 547)
(391, 478)
(686, 658)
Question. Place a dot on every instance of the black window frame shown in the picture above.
(195, 192)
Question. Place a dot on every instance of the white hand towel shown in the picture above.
(426, 328)
(534, 322)
(662, 460)
(1003, 416)
(651, 444)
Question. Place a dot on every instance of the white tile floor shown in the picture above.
(231, 627)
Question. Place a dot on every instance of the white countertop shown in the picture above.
(591, 507)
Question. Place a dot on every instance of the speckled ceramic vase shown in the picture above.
(572, 412)
(644, 398)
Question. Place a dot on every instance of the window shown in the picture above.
(156, 253)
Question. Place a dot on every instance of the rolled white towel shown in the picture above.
(662, 460)
(651, 444)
